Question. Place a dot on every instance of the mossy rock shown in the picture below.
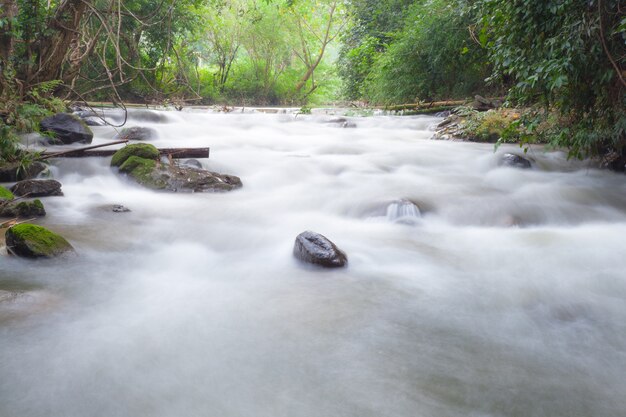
(5, 194)
(145, 172)
(141, 150)
(23, 209)
(32, 241)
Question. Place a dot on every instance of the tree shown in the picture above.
(569, 56)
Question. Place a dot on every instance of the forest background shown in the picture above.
(563, 60)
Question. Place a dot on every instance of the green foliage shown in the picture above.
(5, 194)
(565, 55)
(429, 56)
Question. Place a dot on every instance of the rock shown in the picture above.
(159, 176)
(137, 133)
(118, 208)
(148, 116)
(5, 194)
(94, 121)
(191, 163)
(67, 128)
(342, 122)
(482, 104)
(23, 209)
(32, 241)
(140, 150)
(140, 162)
(37, 188)
(313, 248)
(12, 172)
(514, 161)
(404, 212)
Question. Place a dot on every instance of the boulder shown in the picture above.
(140, 162)
(37, 188)
(67, 128)
(137, 133)
(23, 209)
(32, 241)
(313, 248)
(514, 161)
(140, 150)
(11, 172)
(148, 116)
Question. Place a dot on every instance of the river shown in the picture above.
(505, 295)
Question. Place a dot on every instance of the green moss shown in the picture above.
(35, 241)
(37, 203)
(142, 150)
(5, 194)
(145, 172)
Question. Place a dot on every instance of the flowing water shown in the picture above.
(501, 293)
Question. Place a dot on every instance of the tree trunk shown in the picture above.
(54, 49)
(8, 11)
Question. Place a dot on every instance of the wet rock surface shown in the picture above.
(23, 209)
(313, 248)
(67, 128)
(137, 133)
(515, 161)
(140, 162)
(32, 241)
(37, 188)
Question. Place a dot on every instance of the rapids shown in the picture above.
(505, 295)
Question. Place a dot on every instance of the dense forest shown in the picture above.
(565, 60)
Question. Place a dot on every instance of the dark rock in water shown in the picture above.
(342, 122)
(67, 128)
(118, 208)
(13, 172)
(148, 116)
(32, 241)
(191, 163)
(316, 249)
(37, 188)
(445, 113)
(137, 133)
(515, 161)
(94, 121)
(23, 209)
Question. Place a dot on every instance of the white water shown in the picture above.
(506, 298)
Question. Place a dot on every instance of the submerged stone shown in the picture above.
(32, 241)
(403, 211)
(515, 161)
(137, 133)
(37, 188)
(313, 248)
(67, 128)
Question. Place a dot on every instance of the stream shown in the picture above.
(502, 294)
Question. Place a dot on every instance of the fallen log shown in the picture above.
(423, 106)
(175, 153)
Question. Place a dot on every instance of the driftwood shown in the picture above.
(174, 153)
(423, 106)
(77, 152)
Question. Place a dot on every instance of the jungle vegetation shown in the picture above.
(563, 59)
